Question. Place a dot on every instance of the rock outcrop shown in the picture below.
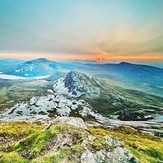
(51, 105)
(115, 152)
(73, 121)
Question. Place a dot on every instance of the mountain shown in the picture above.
(37, 67)
(135, 72)
(77, 84)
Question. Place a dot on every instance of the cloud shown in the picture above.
(126, 41)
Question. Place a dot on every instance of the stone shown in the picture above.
(74, 121)
(120, 154)
(99, 157)
(91, 138)
(87, 157)
(113, 143)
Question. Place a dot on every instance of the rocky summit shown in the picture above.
(77, 84)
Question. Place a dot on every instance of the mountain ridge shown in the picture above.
(77, 84)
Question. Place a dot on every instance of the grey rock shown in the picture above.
(87, 157)
(113, 143)
(99, 157)
(74, 121)
(120, 155)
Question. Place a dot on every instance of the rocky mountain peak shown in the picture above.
(77, 84)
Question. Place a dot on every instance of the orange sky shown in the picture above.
(82, 57)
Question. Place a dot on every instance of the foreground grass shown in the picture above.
(23, 142)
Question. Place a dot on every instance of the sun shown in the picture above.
(100, 59)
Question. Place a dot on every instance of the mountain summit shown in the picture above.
(77, 84)
(32, 68)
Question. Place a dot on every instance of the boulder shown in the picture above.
(74, 121)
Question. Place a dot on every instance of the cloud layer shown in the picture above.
(115, 30)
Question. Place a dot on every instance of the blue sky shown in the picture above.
(82, 29)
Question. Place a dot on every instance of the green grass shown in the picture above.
(15, 91)
(67, 153)
(11, 157)
(99, 144)
(31, 144)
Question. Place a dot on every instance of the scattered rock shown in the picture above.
(51, 105)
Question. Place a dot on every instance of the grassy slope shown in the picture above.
(22, 142)
(109, 102)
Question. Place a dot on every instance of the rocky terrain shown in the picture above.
(69, 139)
(50, 106)
(107, 100)
(106, 105)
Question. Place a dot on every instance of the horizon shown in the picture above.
(158, 64)
(120, 30)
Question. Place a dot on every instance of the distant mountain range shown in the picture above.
(43, 66)
(148, 78)
(147, 75)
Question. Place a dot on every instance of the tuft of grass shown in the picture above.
(32, 145)
(40, 143)
(18, 129)
(60, 128)
(99, 143)
(11, 157)
(65, 153)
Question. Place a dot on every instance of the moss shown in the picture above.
(65, 153)
(11, 157)
(40, 143)
(52, 158)
(33, 144)
(60, 128)
(18, 129)
(99, 143)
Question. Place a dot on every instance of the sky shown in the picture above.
(115, 30)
